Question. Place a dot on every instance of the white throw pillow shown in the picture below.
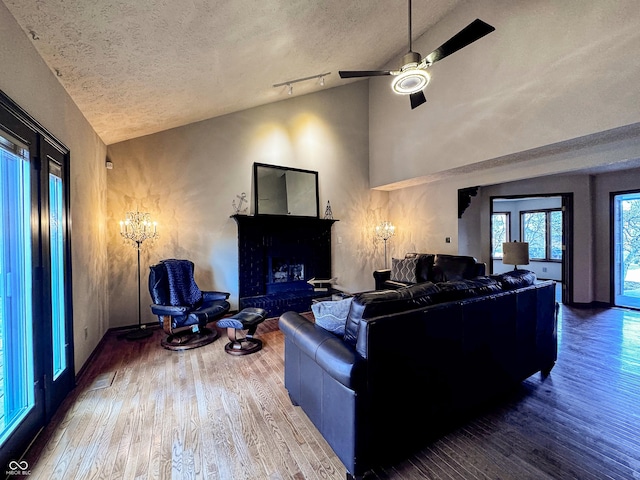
(332, 315)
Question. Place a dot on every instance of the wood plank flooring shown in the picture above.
(204, 414)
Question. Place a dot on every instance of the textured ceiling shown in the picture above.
(135, 67)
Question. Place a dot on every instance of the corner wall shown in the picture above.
(188, 177)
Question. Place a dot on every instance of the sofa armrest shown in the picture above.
(481, 269)
(335, 357)
(381, 276)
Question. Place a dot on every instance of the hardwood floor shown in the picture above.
(206, 414)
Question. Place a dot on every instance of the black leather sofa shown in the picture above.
(416, 359)
(429, 267)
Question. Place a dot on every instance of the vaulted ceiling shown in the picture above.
(139, 67)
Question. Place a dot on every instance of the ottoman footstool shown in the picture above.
(247, 319)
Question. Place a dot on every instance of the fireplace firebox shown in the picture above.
(277, 255)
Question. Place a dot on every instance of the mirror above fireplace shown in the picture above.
(285, 191)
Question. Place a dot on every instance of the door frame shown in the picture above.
(56, 389)
(567, 237)
(612, 246)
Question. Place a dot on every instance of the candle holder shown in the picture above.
(136, 229)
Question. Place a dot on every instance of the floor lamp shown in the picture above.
(136, 229)
(385, 231)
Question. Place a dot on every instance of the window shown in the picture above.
(555, 235)
(542, 229)
(56, 241)
(500, 232)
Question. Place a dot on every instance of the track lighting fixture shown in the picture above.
(289, 84)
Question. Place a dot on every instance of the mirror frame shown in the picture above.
(256, 188)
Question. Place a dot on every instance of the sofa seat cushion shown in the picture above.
(385, 302)
(515, 279)
(332, 315)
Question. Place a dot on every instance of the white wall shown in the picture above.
(28, 81)
(187, 178)
(553, 70)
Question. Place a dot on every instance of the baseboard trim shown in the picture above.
(153, 325)
(85, 366)
(93, 354)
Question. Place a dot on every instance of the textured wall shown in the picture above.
(28, 81)
(187, 178)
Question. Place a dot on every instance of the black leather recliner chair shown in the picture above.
(182, 308)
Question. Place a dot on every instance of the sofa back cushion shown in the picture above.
(385, 302)
(460, 289)
(515, 279)
(449, 268)
(424, 267)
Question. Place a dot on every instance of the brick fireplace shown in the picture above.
(277, 255)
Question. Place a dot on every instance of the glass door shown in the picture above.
(19, 405)
(626, 249)
(36, 325)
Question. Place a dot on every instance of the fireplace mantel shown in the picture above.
(307, 240)
(265, 220)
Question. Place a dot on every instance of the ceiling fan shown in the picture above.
(413, 77)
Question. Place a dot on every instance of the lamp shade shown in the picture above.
(515, 253)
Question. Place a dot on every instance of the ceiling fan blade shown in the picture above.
(469, 34)
(417, 99)
(363, 73)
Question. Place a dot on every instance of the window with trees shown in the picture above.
(542, 229)
(500, 232)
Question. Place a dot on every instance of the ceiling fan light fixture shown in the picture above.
(410, 81)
